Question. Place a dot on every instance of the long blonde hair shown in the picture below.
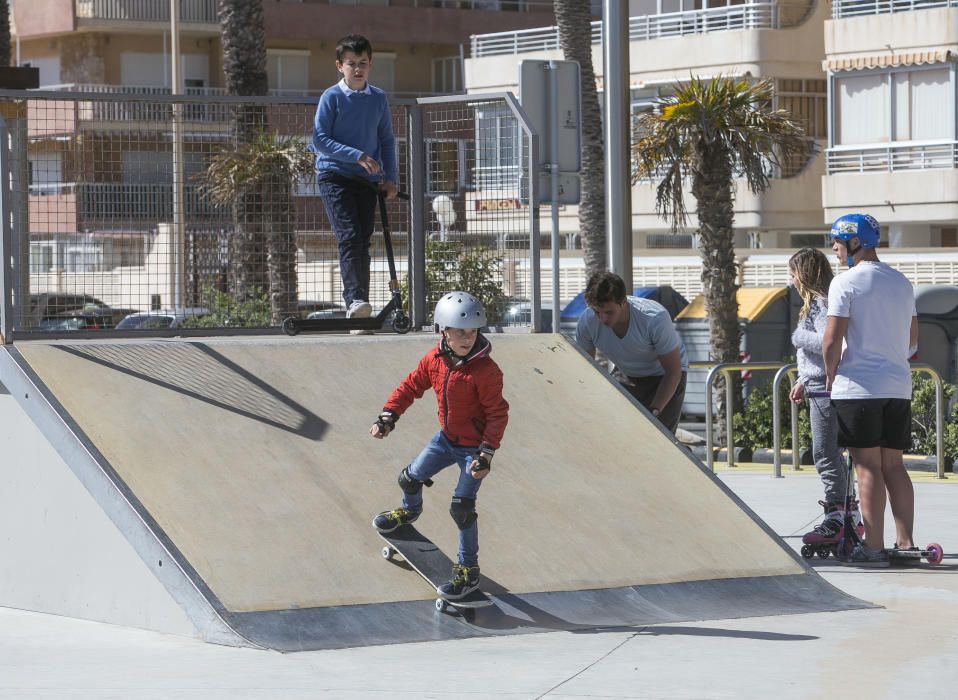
(812, 273)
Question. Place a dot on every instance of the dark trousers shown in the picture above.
(644, 388)
(351, 207)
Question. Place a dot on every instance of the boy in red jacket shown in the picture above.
(472, 418)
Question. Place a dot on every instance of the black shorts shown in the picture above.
(874, 423)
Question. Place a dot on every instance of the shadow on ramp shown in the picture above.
(200, 372)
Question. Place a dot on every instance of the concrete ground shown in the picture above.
(906, 648)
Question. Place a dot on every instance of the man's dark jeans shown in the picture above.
(351, 207)
(644, 388)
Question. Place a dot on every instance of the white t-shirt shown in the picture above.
(879, 303)
(651, 334)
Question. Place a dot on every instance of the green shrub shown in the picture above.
(923, 419)
(451, 266)
(226, 313)
(753, 427)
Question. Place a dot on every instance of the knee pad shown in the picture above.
(411, 485)
(463, 512)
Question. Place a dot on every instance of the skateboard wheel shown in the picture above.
(441, 605)
(807, 551)
(935, 553)
(387, 553)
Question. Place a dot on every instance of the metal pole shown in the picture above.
(177, 264)
(729, 443)
(618, 189)
(777, 420)
(6, 238)
(940, 425)
(535, 294)
(554, 167)
(796, 453)
(417, 203)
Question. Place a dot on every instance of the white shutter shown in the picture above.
(862, 109)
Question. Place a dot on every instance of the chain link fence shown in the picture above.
(160, 213)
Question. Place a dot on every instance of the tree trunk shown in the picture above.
(712, 188)
(574, 21)
(283, 284)
(244, 66)
(4, 33)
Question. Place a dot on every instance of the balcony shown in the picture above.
(897, 182)
(71, 207)
(751, 15)
(858, 8)
(191, 11)
(892, 157)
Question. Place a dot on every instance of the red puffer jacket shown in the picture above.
(472, 410)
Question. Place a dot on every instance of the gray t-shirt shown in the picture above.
(651, 334)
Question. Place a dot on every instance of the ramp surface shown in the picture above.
(250, 460)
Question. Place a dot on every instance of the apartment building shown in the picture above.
(668, 40)
(100, 172)
(893, 134)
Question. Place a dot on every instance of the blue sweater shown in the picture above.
(347, 126)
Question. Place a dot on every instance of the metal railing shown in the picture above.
(892, 157)
(191, 11)
(858, 8)
(752, 15)
(789, 370)
(724, 368)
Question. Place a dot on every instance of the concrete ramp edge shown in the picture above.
(122, 508)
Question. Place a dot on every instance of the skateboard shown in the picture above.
(429, 562)
(933, 554)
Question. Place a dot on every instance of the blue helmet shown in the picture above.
(861, 226)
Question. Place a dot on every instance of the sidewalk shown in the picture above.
(906, 648)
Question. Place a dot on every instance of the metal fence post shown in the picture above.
(417, 203)
(729, 415)
(7, 250)
(777, 418)
(939, 413)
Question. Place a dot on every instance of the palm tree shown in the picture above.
(574, 20)
(243, 36)
(264, 171)
(705, 136)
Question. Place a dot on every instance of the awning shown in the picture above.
(752, 303)
(887, 60)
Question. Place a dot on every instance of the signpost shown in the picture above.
(550, 95)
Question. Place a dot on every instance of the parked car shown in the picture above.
(93, 319)
(160, 320)
(51, 304)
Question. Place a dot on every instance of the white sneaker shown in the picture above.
(359, 309)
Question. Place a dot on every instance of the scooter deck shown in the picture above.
(933, 554)
(429, 562)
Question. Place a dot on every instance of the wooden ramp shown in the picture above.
(241, 474)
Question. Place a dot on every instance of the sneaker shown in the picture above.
(390, 520)
(871, 558)
(359, 309)
(830, 529)
(465, 580)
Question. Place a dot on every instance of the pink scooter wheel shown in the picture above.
(935, 553)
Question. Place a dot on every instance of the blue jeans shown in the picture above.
(436, 456)
(351, 207)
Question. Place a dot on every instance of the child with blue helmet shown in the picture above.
(871, 309)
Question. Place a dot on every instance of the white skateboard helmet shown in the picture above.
(459, 310)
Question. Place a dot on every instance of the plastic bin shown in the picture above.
(767, 316)
(937, 307)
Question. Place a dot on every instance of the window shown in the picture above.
(288, 71)
(447, 75)
(807, 101)
(498, 149)
(862, 109)
(916, 104)
(46, 172)
(383, 72)
(444, 166)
